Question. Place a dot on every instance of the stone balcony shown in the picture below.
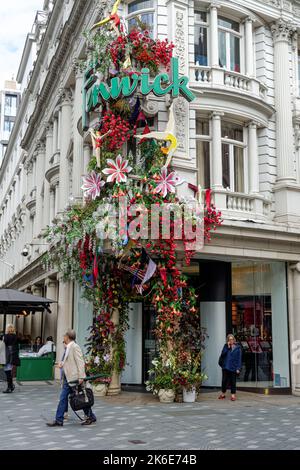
(218, 78)
(52, 174)
(240, 206)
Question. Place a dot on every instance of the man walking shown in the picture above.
(73, 369)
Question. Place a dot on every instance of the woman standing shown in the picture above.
(231, 363)
(12, 356)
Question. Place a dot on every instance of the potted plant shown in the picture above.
(161, 380)
(188, 375)
(99, 368)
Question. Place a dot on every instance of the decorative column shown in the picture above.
(249, 46)
(216, 151)
(86, 157)
(115, 384)
(294, 325)
(282, 34)
(78, 142)
(49, 152)
(64, 316)
(253, 163)
(40, 176)
(214, 37)
(55, 135)
(36, 326)
(65, 139)
(50, 319)
(52, 204)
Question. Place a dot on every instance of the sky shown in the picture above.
(16, 20)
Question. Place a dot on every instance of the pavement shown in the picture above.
(138, 421)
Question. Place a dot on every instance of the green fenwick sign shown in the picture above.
(163, 84)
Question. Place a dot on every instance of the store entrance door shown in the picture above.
(252, 327)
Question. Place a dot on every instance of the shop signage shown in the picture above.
(162, 84)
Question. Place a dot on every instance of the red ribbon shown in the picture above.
(208, 198)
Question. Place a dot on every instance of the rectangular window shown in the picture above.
(200, 41)
(229, 44)
(10, 105)
(203, 163)
(203, 152)
(8, 123)
(233, 151)
(141, 11)
(226, 165)
(238, 169)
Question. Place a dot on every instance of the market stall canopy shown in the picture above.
(15, 302)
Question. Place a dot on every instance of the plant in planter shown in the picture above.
(161, 380)
(188, 375)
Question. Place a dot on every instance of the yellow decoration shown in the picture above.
(109, 18)
(168, 136)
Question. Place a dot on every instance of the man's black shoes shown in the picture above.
(54, 424)
(88, 422)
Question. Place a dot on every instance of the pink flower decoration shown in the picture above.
(92, 185)
(167, 183)
(117, 170)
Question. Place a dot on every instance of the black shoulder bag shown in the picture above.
(81, 397)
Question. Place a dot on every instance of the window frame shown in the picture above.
(232, 143)
(204, 25)
(142, 11)
(228, 32)
(204, 138)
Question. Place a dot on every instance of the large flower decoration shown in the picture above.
(167, 183)
(118, 170)
(92, 185)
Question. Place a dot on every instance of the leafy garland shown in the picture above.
(79, 253)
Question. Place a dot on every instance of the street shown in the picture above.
(138, 421)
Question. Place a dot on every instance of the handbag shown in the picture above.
(81, 397)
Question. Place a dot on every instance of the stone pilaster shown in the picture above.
(40, 175)
(78, 143)
(253, 158)
(36, 323)
(214, 37)
(49, 150)
(216, 153)
(64, 316)
(65, 132)
(282, 34)
(50, 319)
(249, 46)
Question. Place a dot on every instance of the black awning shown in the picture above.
(15, 302)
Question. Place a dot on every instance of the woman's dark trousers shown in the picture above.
(9, 379)
(228, 380)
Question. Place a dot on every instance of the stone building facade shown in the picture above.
(240, 137)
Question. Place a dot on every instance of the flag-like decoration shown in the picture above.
(167, 182)
(118, 170)
(92, 185)
(143, 274)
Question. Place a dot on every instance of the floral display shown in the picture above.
(117, 171)
(109, 270)
(167, 182)
(92, 185)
